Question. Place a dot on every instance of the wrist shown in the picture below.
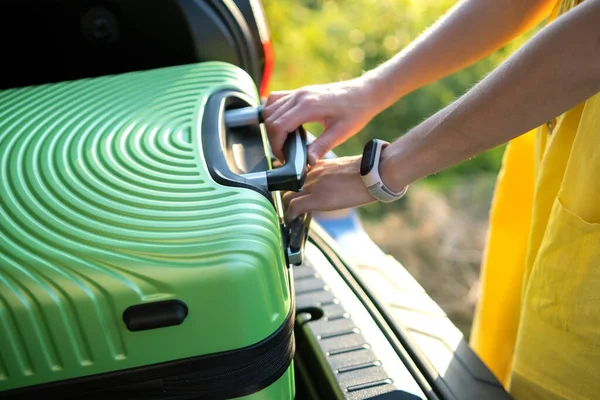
(388, 171)
(370, 173)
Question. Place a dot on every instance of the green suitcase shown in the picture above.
(142, 253)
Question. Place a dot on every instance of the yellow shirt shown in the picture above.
(537, 325)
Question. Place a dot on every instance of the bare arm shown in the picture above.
(556, 70)
(470, 31)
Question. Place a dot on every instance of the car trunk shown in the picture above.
(369, 330)
(363, 329)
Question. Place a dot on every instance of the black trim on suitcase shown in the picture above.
(228, 374)
(213, 131)
(221, 145)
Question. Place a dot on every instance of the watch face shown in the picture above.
(368, 158)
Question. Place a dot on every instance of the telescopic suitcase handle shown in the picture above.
(292, 174)
(298, 235)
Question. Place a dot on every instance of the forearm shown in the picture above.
(470, 31)
(556, 70)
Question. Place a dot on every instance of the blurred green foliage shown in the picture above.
(321, 41)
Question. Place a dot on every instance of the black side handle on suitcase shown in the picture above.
(292, 174)
(218, 130)
(298, 234)
(231, 116)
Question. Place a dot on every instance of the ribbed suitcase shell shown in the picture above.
(105, 203)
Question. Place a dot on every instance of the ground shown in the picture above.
(439, 238)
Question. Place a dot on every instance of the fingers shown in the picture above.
(275, 127)
(302, 112)
(286, 111)
(290, 204)
(289, 196)
(329, 139)
(318, 148)
(279, 107)
(339, 107)
(271, 109)
(300, 108)
(291, 116)
(298, 203)
(298, 206)
(277, 142)
(274, 96)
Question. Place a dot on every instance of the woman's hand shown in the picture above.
(330, 185)
(343, 108)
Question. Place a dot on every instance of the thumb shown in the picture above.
(325, 143)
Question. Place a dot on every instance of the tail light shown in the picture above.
(267, 45)
(268, 70)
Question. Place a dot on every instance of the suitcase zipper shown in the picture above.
(267, 365)
(241, 372)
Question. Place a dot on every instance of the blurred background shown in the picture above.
(438, 230)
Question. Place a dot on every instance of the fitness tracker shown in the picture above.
(369, 172)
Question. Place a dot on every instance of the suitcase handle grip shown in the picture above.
(292, 174)
(221, 139)
(298, 234)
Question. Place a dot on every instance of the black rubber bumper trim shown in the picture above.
(403, 348)
(213, 128)
(228, 374)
